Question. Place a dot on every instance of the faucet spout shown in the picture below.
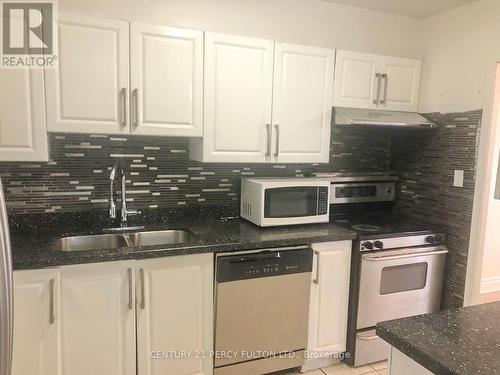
(124, 199)
(112, 206)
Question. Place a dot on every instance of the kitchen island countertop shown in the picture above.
(463, 341)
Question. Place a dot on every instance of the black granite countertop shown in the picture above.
(33, 237)
(462, 341)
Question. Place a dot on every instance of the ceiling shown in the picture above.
(410, 8)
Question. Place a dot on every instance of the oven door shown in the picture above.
(296, 205)
(400, 283)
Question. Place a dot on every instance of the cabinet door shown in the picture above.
(175, 313)
(400, 363)
(238, 96)
(166, 81)
(37, 322)
(329, 297)
(356, 83)
(98, 319)
(302, 103)
(88, 91)
(23, 135)
(401, 84)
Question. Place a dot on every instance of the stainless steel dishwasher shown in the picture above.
(262, 302)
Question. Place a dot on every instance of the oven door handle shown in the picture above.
(375, 258)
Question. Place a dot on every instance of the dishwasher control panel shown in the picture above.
(263, 264)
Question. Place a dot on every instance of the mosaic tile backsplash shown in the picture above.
(159, 172)
(161, 175)
(426, 163)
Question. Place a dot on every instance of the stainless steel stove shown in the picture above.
(398, 262)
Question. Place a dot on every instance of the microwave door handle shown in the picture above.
(375, 258)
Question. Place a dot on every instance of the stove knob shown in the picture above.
(429, 239)
(379, 244)
(439, 238)
(368, 245)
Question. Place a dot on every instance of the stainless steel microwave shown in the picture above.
(285, 201)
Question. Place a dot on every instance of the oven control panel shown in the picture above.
(399, 242)
(362, 192)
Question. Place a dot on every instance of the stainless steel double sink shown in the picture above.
(119, 240)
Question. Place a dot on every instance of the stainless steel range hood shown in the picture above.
(373, 117)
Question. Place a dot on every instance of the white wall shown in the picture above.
(312, 22)
(461, 48)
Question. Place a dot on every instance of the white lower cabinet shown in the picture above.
(80, 320)
(175, 315)
(98, 319)
(174, 307)
(400, 363)
(329, 303)
(37, 339)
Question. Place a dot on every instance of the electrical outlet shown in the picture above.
(458, 179)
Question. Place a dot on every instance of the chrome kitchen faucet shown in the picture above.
(112, 206)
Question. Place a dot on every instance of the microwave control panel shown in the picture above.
(323, 200)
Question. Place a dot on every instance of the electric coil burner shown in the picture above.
(366, 228)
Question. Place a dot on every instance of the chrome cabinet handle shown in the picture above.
(52, 317)
(143, 296)
(381, 258)
(135, 97)
(316, 279)
(277, 151)
(123, 103)
(268, 129)
(379, 79)
(384, 98)
(130, 291)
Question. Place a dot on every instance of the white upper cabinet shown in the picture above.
(402, 83)
(23, 135)
(377, 82)
(166, 70)
(265, 102)
(302, 103)
(355, 80)
(238, 100)
(98, 319)
(175, 312)
(37, 341)
(88, 91)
